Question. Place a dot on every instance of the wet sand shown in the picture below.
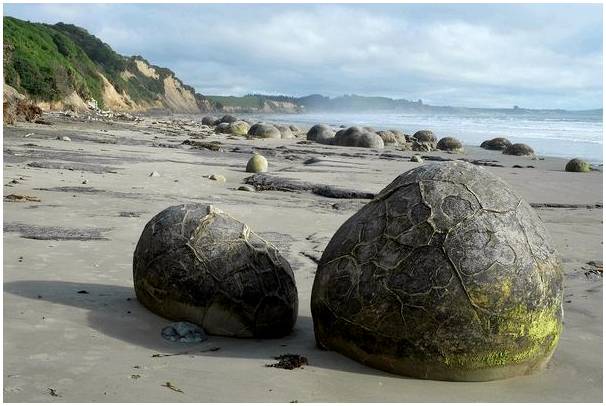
(74, 331)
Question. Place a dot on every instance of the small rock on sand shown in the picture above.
(247, 188)
(184, 332)
(65, 138)
(154, 174)
(416, 158)
(218, 178)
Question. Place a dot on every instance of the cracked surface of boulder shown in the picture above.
(196, 263)
(446, 274)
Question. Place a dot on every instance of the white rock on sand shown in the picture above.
(89, 346)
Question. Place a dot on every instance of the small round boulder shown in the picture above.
(446, 274)
(496, 144)
(577, 165)
(519, 150)
(321, 133)
(263, 130)
(257, 164)
(196, 263)
(450, 144)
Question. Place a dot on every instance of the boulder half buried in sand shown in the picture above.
(497, 144)
(446, 274)
(358, 137)
(196, 263)
(577, 165)
(519, 150)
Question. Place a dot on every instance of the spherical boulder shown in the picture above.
(257, 164)
(294, 129)
(239, 128)
(446, 274)
(424, 140)
(209, 120)
(450, 144)
(321, 133)
(285, 131)
(519, 150)
(196, 263)
(497, 144)
(577, 165)
(228, 118)
(223, 128)
(264, 130)
(392, 137)
(358, 137)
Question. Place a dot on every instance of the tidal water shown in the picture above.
(550, 133)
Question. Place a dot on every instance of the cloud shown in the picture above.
(491, 55)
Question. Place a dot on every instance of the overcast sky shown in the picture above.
(536, 56)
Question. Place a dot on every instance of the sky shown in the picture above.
(475, 55)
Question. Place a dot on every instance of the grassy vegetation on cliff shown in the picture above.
(46, 64)
(49, 62)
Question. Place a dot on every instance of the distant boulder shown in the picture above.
(358, 137)
(424, 140)
(264, 130)
(285, 131)
(223, 128)
(239, 128)
(496, 144)
(577, 165)
(519, 150)
(392, 137)
(450, 144)
(295, 130)
(209, 120)
(228, 118)
(321, 133)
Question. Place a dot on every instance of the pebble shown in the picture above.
(85, 181)
(247, 188)
(154, 174)
(219, 178)
(66, 138)
(183, 332)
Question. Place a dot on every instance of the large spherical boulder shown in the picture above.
(264, 130)
(450, 144)
(358, 137)
(447, 274)
(496, 144)
(519, 150)
(209, 120)
(285, 131)
(321, 133)
(196, 263)
(239, 127)
(258, 163)
(577, 165)
(228, 118)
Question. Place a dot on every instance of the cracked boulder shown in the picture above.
(446, 274)
(196, 263)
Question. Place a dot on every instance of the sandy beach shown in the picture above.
(74, 331)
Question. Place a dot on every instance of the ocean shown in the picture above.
(562, 134)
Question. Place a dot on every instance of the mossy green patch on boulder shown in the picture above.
(239, 128)
(577, 165)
